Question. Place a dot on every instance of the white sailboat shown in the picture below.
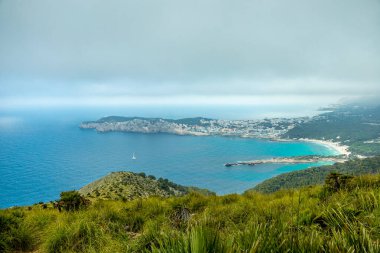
(133, 156)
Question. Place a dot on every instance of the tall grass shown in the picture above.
(81, 236)
(299, 220)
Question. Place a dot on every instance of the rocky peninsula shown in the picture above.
(292, 160)
(264, 128)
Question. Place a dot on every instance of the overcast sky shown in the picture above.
(250, 52)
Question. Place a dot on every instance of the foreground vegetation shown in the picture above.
(343, 216)
(317, 175)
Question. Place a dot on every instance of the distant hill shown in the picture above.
(128, 186)
(317, 175)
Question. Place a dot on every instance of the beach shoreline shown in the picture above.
(336, 146)
(341, 154)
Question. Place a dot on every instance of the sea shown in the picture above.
(43, 154)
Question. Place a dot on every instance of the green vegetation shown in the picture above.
(365, 148)
(355, 126)
(317, 175)
(344, 218)
(336, 181)
(70, 201)
(128, 186)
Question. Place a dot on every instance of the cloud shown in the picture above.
(92, 48)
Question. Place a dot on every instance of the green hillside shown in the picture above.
(128, 185)
(312, 219)
(317, 175)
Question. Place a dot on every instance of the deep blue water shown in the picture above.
(41, 158)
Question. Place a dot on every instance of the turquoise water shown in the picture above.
(40, 158)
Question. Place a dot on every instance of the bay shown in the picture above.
(41, 158)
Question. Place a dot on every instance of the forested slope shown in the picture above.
(317, 175)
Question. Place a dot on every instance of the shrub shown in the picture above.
(142, 174)
(72, 200)
(336, 181)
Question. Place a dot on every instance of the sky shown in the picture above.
(281, 54)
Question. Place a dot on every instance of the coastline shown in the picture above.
(336, 146)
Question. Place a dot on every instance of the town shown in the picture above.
(263, 128)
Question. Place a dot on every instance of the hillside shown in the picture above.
(317, 175)
(312, 219)
(128, 185)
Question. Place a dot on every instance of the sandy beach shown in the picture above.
(336, 146)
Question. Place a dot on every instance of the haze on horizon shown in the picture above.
(280, 54)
